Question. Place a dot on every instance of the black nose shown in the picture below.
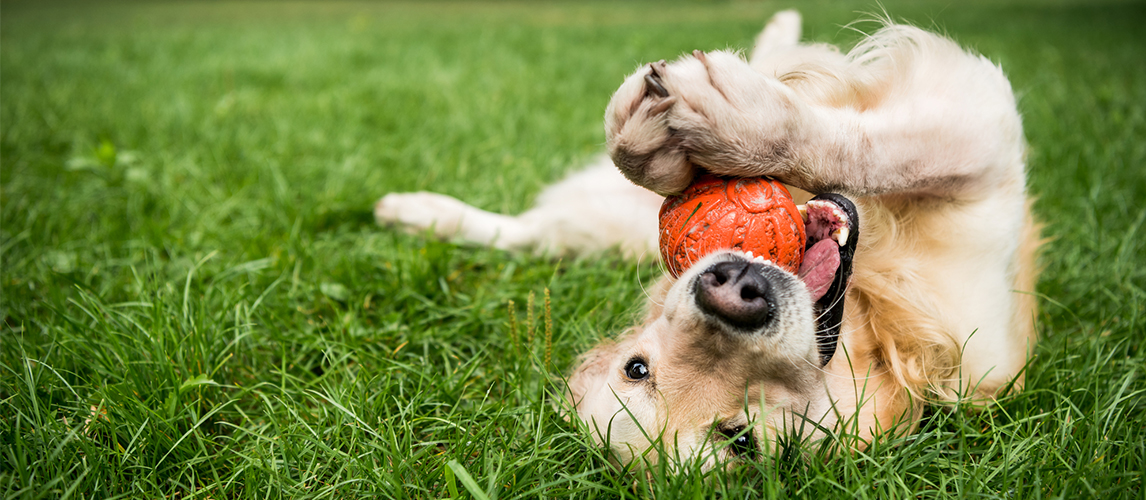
(735, 292)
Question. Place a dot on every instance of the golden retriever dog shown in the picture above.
(919, 234)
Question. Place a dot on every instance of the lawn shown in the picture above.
(197, 304)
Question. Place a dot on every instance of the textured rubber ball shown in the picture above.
(748, 214)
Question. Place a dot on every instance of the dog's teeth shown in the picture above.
(841, 236)
(748, 254)
(803, 212)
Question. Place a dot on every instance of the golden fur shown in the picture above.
(923, 137)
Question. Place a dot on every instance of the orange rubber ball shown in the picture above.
(748, 214)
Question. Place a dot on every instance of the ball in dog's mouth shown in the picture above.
(754, 214)
(831, 223)
(815, 241)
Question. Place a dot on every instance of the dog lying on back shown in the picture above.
(921, 147)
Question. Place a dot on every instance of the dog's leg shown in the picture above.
(909, 112)
(449, 217)
(781, 32)
(778, 50)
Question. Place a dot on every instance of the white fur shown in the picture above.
(589, 211)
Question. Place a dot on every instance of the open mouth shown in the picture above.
(831, 222)
(738, 293)
(828, 226)
(832, 225)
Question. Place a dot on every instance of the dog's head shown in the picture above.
(731, 351)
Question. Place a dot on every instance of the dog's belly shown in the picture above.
(956, 264)
(974, 274)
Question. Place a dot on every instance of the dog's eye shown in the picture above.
(743, 444)
(637, 369)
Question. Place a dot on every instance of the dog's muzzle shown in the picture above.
(736, 292)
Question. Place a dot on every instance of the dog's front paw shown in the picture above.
(638, 135)
(417, 212)
(710, 110)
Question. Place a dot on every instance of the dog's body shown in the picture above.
(923, 137)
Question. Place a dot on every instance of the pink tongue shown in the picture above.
(819, 267)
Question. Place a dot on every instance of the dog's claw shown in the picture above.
(700, 56)
(654, 85)
(653, 80)
(660, 107)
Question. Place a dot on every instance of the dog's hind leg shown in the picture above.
(778, 50)
(781, 32)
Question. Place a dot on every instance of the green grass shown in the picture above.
(196, 303)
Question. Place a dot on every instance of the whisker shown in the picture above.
(839, 298)
(644, 290)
